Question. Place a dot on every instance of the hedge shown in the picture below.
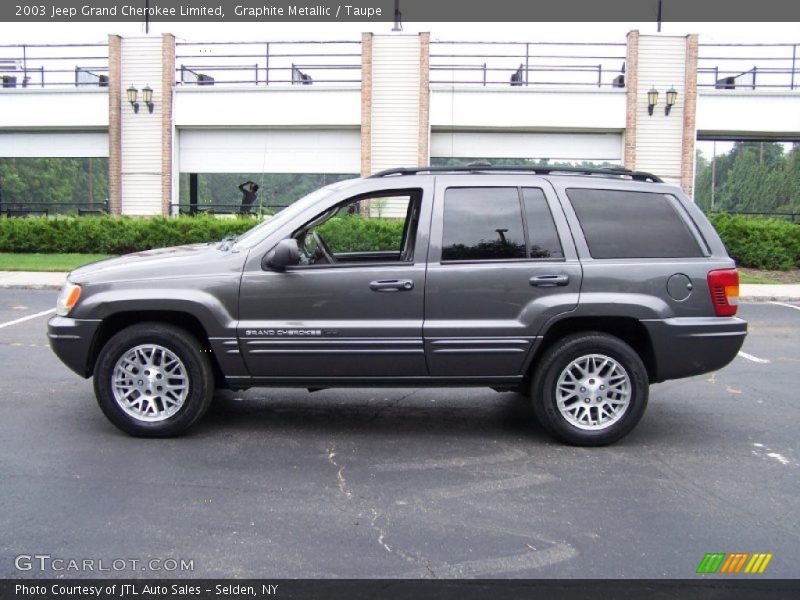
(113, 235)
(110, 235)
(753, 242)
(759, 243)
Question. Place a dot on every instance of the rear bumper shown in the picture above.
(687, 346)
(71, 340)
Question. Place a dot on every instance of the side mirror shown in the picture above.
(285, 254)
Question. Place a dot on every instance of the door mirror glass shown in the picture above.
(285, 254)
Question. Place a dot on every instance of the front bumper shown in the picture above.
(71, 340)
(687, 346)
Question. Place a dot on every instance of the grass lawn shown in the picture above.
(13, 261)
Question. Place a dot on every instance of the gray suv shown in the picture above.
(576, 287)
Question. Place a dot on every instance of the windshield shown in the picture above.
(253, 236)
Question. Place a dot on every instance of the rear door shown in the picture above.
(501, 264)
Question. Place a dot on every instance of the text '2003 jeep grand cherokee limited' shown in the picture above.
(578, 288)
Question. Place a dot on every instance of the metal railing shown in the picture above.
(46, 209)
(525, 64)
(224, 208)
(794, 217)
(54, 65)
(268, 63)
(749, 66)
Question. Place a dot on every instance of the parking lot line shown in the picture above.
(28, 318)
(786, 305)
(755, 359)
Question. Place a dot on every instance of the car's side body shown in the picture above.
(441, 322)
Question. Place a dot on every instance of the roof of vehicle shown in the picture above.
(486, 168)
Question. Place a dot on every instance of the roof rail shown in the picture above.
(485, 167)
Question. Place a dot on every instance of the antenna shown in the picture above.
(398, 17)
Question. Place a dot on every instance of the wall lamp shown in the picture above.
(672, 97)
(652, 100)
(147, 98)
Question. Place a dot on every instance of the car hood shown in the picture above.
(177, 261)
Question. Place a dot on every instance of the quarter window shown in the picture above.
(620, 224)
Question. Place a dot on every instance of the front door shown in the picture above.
(502, 263)
(353, 308)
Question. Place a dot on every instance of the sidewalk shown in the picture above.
(751, 292)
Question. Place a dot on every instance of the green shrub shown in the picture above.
(353, 233)
(759, 243)
(113, 235)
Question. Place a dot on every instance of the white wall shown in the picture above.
(555, 146)
(659, 138)
(748, 112)
(471, 107)
(267, 106)
(55, 144)
(42, 108)
(141, 133)
(269, 151)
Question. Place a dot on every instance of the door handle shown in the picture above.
(392, 285)
(549, 280)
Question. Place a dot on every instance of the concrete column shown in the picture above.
(660, 143)
(114, 125)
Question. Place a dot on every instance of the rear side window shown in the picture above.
(482, 224)
(618, 224)
(542, 234)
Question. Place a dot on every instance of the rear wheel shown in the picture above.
(590, 389)
(152, 380)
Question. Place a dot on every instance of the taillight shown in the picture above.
(724, 287)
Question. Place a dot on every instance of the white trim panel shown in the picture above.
(269, 151)
(55, 144)
(555, 146)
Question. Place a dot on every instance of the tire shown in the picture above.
(164, 383)
(614, 380)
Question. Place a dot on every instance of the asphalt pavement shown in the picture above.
(399, 483)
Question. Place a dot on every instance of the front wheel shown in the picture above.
(152, 380)
(590, 389)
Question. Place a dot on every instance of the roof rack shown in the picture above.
(484, 167)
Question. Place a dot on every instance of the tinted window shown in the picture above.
(632, 225)
(542, 235)
(482, 224)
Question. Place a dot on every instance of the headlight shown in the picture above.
(68, 298)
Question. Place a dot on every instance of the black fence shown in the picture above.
(47, 209)
(186, 208)
(54, 65)
(268, 63)
(794, 217)
(525, 64)
(749, 66)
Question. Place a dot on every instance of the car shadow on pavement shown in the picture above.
(414, 413)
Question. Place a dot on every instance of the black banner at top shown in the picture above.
(411, 10)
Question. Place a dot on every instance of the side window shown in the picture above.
(379, 227)
(482, 224)
(542, 234)
(619, 224)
